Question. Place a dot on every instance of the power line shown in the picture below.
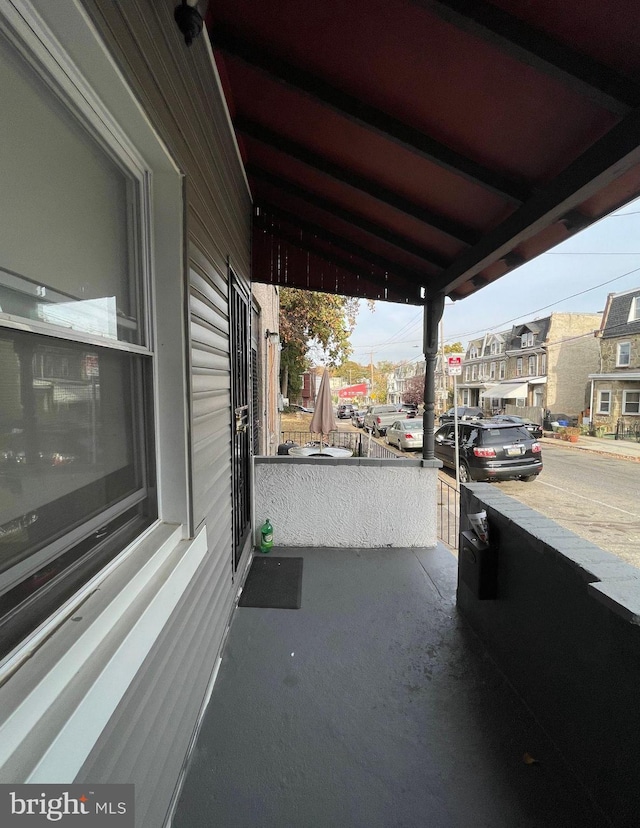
(545, 307)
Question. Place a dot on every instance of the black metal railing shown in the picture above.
(628, 430)
(360, 444)
(448, 517)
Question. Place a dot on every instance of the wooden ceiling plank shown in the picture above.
(335, 209)
(398, 287)
(368, 186)
(604, 162)
(594, 81)
(367, 116)
(367, 256)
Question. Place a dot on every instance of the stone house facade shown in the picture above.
(615, 393)
(542, 363)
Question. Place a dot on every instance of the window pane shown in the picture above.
(70, 442)
(68, 238)
(624, 353)
(632, 402)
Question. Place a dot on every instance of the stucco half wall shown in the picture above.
(349, 502)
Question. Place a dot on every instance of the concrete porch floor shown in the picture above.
(372, 706)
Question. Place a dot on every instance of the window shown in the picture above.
(631, 402)
(532, 366)
(526, 340)
(604, 402)
(467, 374)
(474, 372)
(519, 364)
(543, 364)
(502, 370)
(634, 313)
(76, 452)
(623, 355)
(492, 370)
(473, 353)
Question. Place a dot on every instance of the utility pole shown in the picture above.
(371, 374)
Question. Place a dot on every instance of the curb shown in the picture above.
(634, 458)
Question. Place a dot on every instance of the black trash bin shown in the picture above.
(283, 448)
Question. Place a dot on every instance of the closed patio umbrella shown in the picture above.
(323, 420)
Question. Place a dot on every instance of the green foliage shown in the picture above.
(454, 348)
(311, 320)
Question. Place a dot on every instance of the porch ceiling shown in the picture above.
(402, 147)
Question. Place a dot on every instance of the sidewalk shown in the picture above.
(624, 449)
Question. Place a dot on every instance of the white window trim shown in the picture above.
(622, 364)
(600, 409)
(519, 367)
(634, 310)
(626, 413)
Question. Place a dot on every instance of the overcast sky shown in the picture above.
(602, 259)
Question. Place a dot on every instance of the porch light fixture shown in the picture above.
(189, 20)
(272, 336)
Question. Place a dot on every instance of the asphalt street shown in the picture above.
(596, 497)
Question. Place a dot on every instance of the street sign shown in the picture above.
(455, 366)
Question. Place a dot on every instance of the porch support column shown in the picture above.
(432, 315)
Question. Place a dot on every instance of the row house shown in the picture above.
(397, 381)
(398, 378)
(485, 362)
(615, 387)
(542, 364)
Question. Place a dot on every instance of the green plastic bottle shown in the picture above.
(266, 536)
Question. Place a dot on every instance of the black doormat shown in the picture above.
(273, 583)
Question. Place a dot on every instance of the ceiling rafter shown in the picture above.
(367, 116)
(606, 160)
(364, 275)
(368, 186)
(333, 208)
(600, 84)
(413, 277)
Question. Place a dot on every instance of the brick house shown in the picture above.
(615, 390)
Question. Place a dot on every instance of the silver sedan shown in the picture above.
(405, 434)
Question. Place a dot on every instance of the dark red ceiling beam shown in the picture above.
(559, 201)
(600, 84)
(366, 116)
(430, 257)
(412, 276)
(343, 175)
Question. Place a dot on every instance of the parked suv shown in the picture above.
(490, 451)
(345, 410)
(465, 412)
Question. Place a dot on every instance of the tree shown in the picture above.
(414, 390)
(380, 391)
(454, 348)
(310, 321)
